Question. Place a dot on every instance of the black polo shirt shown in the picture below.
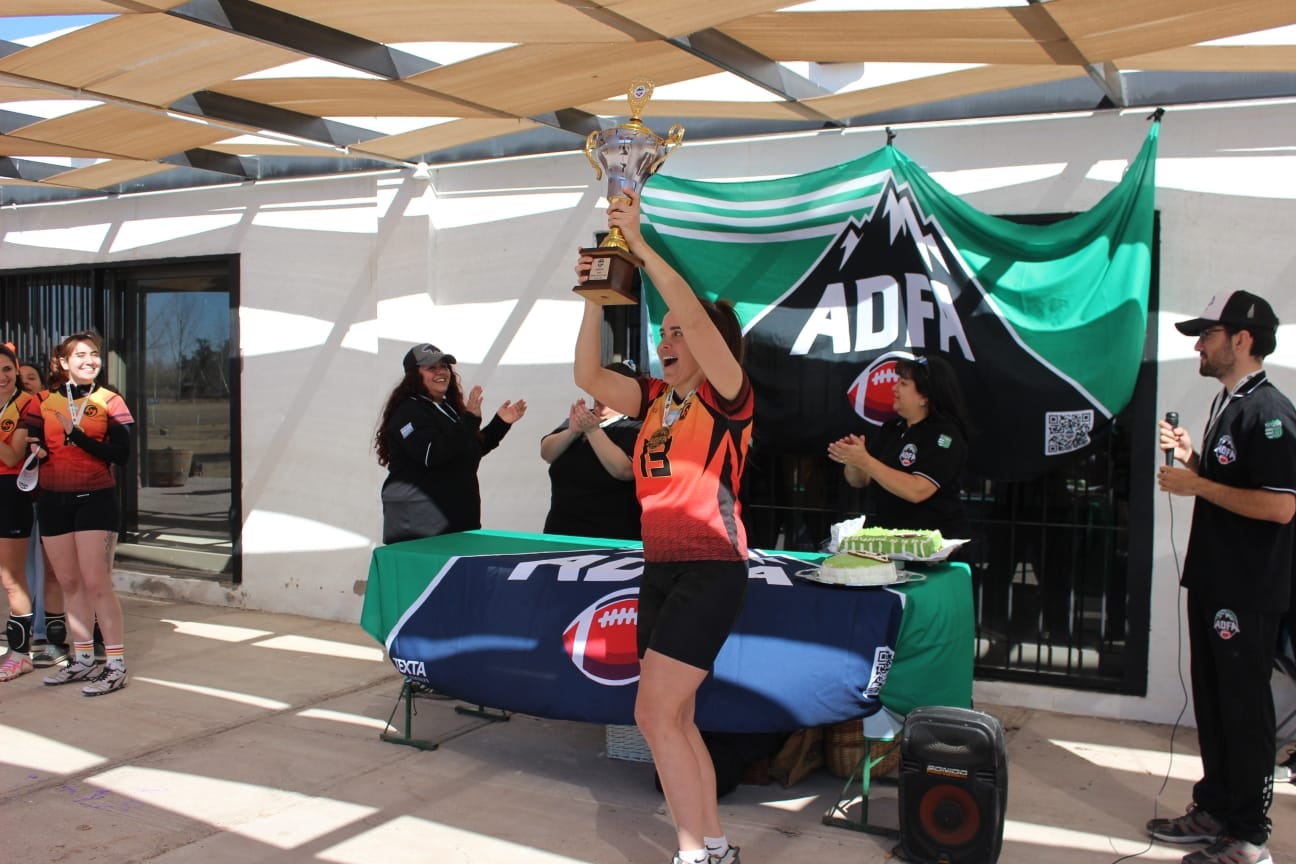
(934, 449)
(1232, 560)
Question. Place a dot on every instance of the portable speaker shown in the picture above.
(953, 786)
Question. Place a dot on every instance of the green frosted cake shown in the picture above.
(894, 541)
(859, 569)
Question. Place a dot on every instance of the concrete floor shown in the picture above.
(250, 737)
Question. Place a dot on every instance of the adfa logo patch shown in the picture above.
(1225, 451)
(1226, 624)
(891, 284)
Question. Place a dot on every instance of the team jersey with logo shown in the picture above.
(9, 419)
(933, 449)
(688, 473)
(69, 468)
(1233, 560)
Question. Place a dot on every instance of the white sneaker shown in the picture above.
(74, 671)
(113, 678)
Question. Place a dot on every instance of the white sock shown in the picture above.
(716, 845)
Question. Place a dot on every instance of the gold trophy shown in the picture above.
(630, 154)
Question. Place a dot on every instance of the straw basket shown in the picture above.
(844, 745)
(627, 742)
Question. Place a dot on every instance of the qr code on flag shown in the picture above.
(1066, 431)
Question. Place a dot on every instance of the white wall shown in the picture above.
(340, 276)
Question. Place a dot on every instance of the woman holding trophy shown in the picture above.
(688, 464)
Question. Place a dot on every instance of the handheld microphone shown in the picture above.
(1171, 417)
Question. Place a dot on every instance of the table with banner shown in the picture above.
(544, 625)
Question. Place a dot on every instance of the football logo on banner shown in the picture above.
(602, 640)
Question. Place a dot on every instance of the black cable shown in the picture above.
(1183, 687)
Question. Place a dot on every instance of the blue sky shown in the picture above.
(13, 29)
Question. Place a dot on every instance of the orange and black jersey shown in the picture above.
(81, 461)
(688, 472)
(10, 417)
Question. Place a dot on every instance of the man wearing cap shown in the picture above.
(431, 440)
(1238, 574)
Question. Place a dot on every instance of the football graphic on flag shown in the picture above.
(872, 394)
(602, 640)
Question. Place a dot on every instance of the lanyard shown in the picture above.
(670, 411)
(75, 411)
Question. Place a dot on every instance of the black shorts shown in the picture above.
(687, 608)
(65, 512)
(15, 509)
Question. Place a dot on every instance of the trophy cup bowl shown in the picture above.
(628, 154)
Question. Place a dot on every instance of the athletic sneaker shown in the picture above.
(14, 664)
(113, 678)
(729, 857)
(73, 672)
(1230, 850)
(1195, 826)
(50, 655)
(678, 860)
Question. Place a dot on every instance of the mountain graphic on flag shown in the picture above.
(838, 273)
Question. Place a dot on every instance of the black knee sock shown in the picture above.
(18, 630)
(56, 629)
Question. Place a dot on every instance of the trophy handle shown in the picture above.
(674, 138)
(590, 140)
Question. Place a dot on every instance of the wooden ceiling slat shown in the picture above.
(11, 145)
(961, 36)
(107, 174)
(674, 18)
(348, 97)
(969, 82)
(1217, 58)
(455, 134)
(1112, 29)
(516, 21)
(123, 132)
(169, 58)
(534, 79)
(679, 108)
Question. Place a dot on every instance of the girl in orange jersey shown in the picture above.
(15, 518)
(688, 464)
(82, 430)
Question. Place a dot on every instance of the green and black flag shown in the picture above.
(838, 273)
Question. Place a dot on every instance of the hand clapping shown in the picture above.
(511, 412)
(581, 418)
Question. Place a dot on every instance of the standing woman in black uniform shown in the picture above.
(15, 519)
(431, 440)
(916, 460)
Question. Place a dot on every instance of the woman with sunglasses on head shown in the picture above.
(15, 518)
(430, 440)
(688, 465)
(916, 460)
(81, 431)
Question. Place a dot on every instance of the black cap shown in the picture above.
(1240, 309)
(426, 355)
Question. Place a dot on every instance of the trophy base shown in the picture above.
(612, 277)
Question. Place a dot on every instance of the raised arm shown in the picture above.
(611, 388)
(706, 343)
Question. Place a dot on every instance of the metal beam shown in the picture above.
(1108, 77)
(26, 169)
(736, 58)
(219, 163)
(258, 116)
(302, 35)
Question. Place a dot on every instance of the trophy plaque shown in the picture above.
(629, 154)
